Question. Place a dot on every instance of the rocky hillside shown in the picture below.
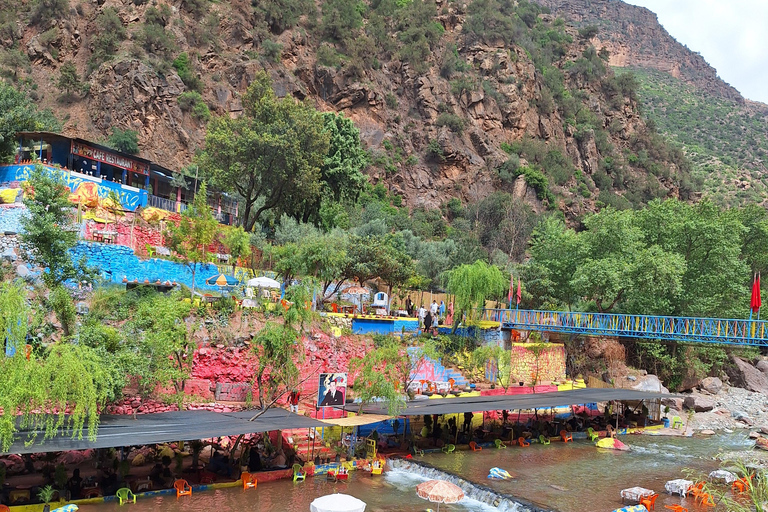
(634, 38)
(452, 99)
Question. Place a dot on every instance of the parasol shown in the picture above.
(612, 443)
(263, 282)
(222, 280)
(439, 491)
(337, 503)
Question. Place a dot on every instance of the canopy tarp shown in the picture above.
(515, 402)
(165, 427)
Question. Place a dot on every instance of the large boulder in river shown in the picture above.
(762, 365)
(711, 385)
(746, 376)
(699, 403)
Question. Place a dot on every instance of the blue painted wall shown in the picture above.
(130, 197)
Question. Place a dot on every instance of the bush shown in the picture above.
(271, 50)
(391, 100)
(186, 72)
(536, 179)
(328, 56)
(155, 39)
(452, 121)
(126, 141)
(192, 102)
(588, 32)
(110, 33)
(435, 151)
(509, 170)
(69, 81)
(45, 11)
(461, 85)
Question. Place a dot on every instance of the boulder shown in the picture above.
(698, 403)
(742, 417)
(711, 385)
(764, 429)
(746, 376)
(707, 432)
(762, 365)
(650, 383)
(673, 403)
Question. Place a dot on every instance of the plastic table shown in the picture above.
(679, 486)
(636, 493)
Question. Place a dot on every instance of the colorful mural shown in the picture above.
(130, 197)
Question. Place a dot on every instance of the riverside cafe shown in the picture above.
(99, 163)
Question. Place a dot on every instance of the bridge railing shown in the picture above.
(749, 332)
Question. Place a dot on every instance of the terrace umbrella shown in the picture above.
(263, 282)
(337, 503)
(222, 280)
(439, 491)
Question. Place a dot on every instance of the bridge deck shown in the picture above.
(692, 330)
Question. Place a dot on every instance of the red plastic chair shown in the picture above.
(474, 446)
(522, 442)
(676, 508)
(566, 436)
(249, 481)
(649, 502)
(182, 488)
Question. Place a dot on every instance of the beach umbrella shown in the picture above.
(337, 503)
(66, 508)
(222, 280)
(439, 491)
(263, 282)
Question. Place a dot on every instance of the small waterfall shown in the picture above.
(502, 502)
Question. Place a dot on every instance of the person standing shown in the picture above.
(433, 308)
(442, 309)
(293, 400)
(422, 314)
(409, 306)
(428, 322)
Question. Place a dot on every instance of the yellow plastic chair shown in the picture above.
(677, 422)
(125, 495)
(592, 435)
(499, 443)
(449, 448)
(298, 474)
(543, 440)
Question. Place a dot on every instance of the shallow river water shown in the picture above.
(587, 479)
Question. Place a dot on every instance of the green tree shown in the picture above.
(126, 141)
(556, 249)
(238, 243)
(271, 156)
(386, 372)
(341, 18)
(195, 232)
(49, 229)
(473, 285)
(69, 81)
(19, 114)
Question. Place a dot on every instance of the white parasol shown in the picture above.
(263, 282)
(337, 503)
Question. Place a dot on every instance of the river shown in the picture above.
(572, 477)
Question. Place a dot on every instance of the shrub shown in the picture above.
(158, 16)
(452, 121)
(328, 56)
(186, 72)
(509, 170)
(461, 85)
(110, 33)
(192, 102)
(536, 179)
(45, 11)
(155, 39)
(588, 32)
(271, 50)
(126, 141)
(435, 151)
(69, 80)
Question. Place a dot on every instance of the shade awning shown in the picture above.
(513, 402)
(165, 427)
(356, 421)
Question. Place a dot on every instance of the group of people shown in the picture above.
(429, 318)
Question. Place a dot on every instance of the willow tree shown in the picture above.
(385, 373)
(71, 379)
(473, 285)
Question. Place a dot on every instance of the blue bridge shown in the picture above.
(690, 330)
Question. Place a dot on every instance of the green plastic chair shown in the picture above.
(125, 495)
(298, 474)
(449, 448)
(592, 435)
(677, 422)
(499, 444)
(543, 440)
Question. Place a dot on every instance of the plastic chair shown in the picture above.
(543, 439)
(474, 446)
(499, 444)
(566, 436)
(4, 508)
(592, 435)
(298, 474)
(676, 422)
(182, 488)
(449, 448)
(249, 481)
(416, 451)
(125, 495)
(676, 508)
(522, 442)
(649, 502)
(706, 499)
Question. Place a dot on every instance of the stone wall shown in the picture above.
(10, 218)
(550, 364)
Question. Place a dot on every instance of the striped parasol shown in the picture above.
(440, 491)
(222, 280)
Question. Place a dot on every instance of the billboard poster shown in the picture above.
(332, 389)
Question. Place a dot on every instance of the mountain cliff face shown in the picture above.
(452, 100)
(634, 38)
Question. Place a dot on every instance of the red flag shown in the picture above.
(511, 289)
(519, 290)
(755, 302)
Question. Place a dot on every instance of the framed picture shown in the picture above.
(332, 390)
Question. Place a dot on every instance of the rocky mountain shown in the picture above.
(452, 99)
